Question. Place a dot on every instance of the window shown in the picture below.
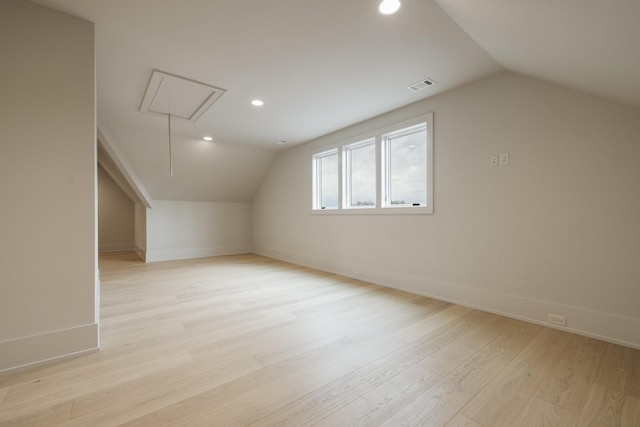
(387, 171)
(405, 168)
(326, 182)
(360, 174)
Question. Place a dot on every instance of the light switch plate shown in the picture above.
(503, 159)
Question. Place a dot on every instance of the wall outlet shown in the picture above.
(557, 320)
(493, 161)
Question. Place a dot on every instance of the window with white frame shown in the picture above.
(405, 167)
(359, 161)
(387, 171)
(326, 180)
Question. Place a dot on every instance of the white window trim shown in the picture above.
(317, 196)
(379, 209)
(385, 148)
(346, 171)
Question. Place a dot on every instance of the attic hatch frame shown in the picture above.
(177, 97)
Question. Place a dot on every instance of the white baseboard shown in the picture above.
(583, 321)
(189, 253)
(141, 252)
(116, 247)
(27, 352)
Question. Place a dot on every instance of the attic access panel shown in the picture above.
(181, 97)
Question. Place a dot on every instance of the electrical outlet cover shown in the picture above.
(557, 320)
(503, 159)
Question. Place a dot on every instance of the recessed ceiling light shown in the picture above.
(282, 142)
(208, 138)
(257, 102)
(388, 7)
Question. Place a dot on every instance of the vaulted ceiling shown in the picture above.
(588, 45)
(322, 65)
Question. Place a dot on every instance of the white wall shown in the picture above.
(115, 216)
(48, 286)
(556, 231)
(180, 230)
(140, 230)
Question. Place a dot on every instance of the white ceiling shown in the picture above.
(323, 65)
(588, 45)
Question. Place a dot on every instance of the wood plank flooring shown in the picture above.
(251, 341)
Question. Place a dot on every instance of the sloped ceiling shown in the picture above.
(202, 171)
(323, 65)
(109, 166)
(588, 45)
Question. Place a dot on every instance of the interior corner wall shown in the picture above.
(115, 216)
(48, 287)
(555, 231)
(140, 230)
(181, 230)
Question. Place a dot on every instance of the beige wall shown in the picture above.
(180, 230)
(140, 230)
(556, 231)
(47, 185)
(115, 216)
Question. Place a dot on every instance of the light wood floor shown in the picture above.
(246, 340)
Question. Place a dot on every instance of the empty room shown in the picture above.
(285, 212)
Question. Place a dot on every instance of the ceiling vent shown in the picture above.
(181, 97)
(422, 84)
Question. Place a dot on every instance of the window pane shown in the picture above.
(388, 171)
(329, 181)
(407, 169)
(362, 178)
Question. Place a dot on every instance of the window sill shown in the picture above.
(419, 210)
